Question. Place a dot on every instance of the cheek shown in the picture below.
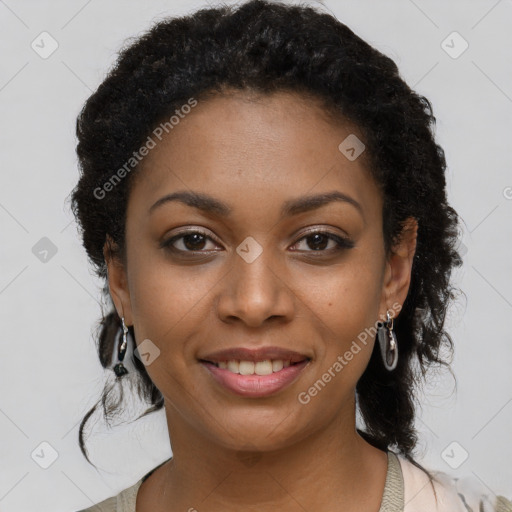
(347, 297)
(346, 303)
(166, 299)
(356, 301)
(167, 307)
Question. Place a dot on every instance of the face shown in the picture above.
(254, 265)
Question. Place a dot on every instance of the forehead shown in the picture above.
(240, 144)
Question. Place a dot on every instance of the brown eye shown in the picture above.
(189, 241)
(318, 241)
(194, 242)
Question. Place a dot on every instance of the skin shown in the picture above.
(274, 453)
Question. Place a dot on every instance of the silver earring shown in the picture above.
(388, 343)
(119, 368)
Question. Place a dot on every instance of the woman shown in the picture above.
(264, 196)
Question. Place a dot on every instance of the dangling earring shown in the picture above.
(119, 368)
(388, 343)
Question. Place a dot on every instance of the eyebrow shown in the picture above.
(209, 204)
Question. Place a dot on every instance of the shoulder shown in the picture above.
(122, 502)
(445, 493)
(108, 505)
(421, 494)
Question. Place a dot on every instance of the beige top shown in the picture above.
(407, 489)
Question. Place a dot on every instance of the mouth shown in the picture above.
(255, 373)
(263, 367)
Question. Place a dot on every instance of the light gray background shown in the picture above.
(49, 371)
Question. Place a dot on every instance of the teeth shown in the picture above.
(233, 366)
(263, 367)
(277, 365)
(254, 368)
(246, 367)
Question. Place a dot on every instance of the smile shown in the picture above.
(255, 379)
(265, 367)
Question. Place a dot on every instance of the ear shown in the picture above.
(117, 280)
(397, 276)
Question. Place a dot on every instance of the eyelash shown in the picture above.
(342, 243)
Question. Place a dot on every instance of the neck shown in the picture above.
(331, 469)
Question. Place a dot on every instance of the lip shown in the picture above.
(254, 354)
(256, 386)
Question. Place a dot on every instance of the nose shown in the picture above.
(255, 293)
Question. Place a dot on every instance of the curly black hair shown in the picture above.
(265, 47)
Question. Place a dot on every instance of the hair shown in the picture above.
(266, 47)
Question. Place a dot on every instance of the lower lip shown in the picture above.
(256, 386)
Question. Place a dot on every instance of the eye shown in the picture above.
(196, 241)
(188, 241)
(319, 240)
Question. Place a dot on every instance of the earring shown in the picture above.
(119, 368)
(388, 343)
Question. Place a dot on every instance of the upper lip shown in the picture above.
(254, 354)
